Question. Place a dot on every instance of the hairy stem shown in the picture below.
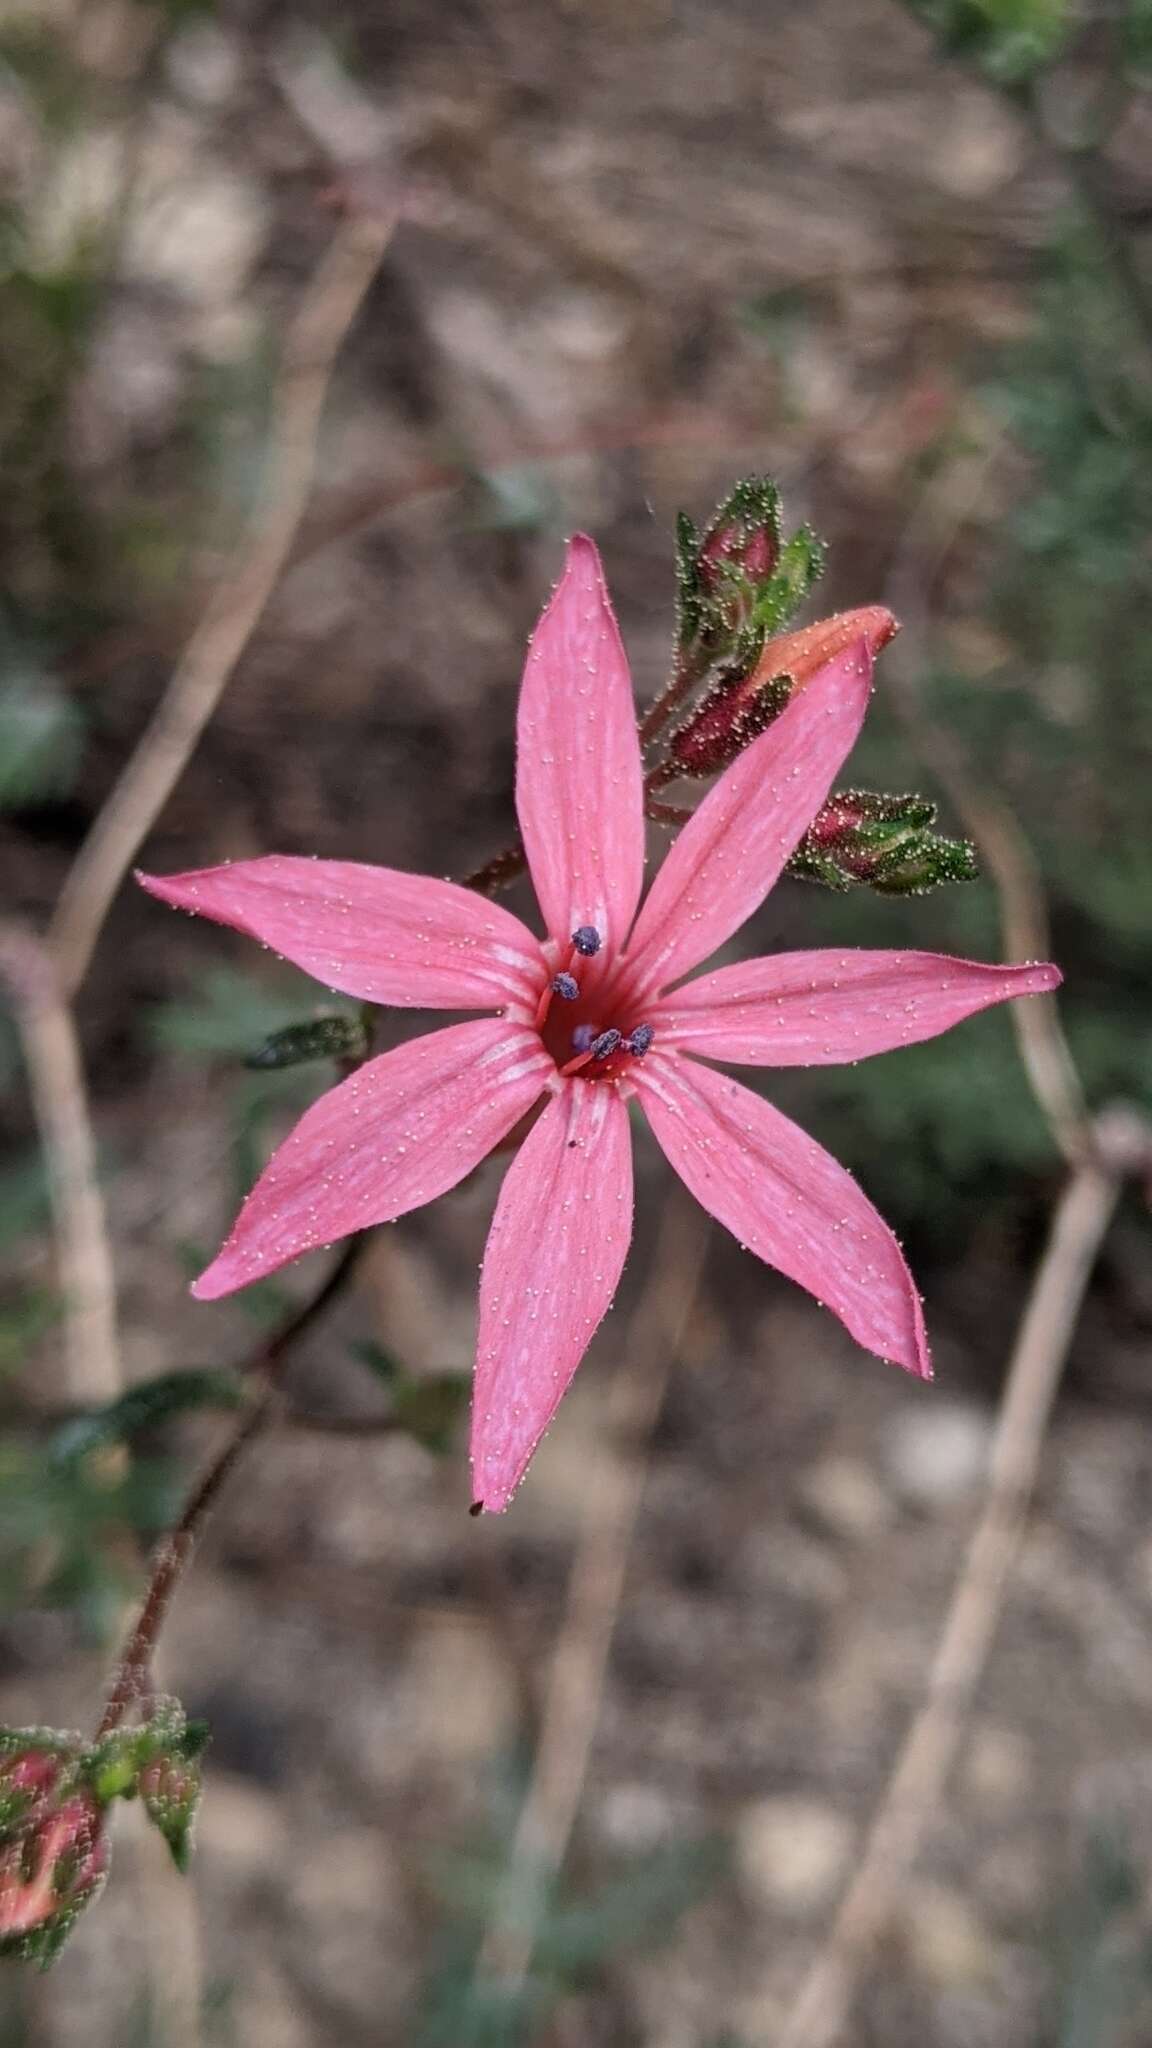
(173, 1553)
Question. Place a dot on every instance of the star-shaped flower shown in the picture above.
(594, 1014)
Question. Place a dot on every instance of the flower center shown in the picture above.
(587, 1029)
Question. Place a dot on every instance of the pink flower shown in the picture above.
(595, 1014)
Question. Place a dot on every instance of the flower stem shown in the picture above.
(173, 1553)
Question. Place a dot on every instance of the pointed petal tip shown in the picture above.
(493, 1502)
(582, 547)
(1046, 975)
(880, 626)
(213, 1283)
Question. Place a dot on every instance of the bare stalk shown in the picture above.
(1122, 1144)
(174, 1551)
(92, 1366)
(314, 338)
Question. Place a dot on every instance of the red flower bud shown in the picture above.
(739, 543)
(170, 1789)
(884, 842)
(29, 1773)
(50, 1867)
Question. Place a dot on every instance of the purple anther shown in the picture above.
(586, 940)
(566, 985)
(639, 1041)
(582, 1037)
(602, 1048)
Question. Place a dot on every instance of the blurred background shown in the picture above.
(898, 257)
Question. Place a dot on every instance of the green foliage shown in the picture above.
(576, 1935)
(64, 1525)
(1103, 1950)
(26, 1316)
(1009, 39)
(24, 1202)
(48, 76)
(146, 1406)
(1138, 34)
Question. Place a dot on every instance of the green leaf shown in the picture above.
(800, 567)
(341, 1036)
(145, 1407)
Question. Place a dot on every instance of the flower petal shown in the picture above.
(579, 794)
(786, 1199)
(554, 1256)
(399, 1132)
(733, 847)
(376, 933)
(820, 1009)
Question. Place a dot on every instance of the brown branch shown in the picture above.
(174, 1551)
(576, 1680)
(320, 325)
(1100, 1154)
(1123, 1144)
(93, 1372)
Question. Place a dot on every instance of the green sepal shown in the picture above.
(865, 839)
(798, 570)
(928, 864)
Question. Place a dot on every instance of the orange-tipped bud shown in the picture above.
(800, 654)
(738, 706)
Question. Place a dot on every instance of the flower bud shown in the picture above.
(170, 1789)
(742, 541)
(51, 1866)
(724, 721)
(802, 654)
(27, 1776)
(861, 837)
(746, 696)
(739, 580)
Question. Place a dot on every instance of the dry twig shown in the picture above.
(576, 1680)
(1122, 1144)
(1100, 1153)
(940, 517)
(313, 340)
(92, 1368)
